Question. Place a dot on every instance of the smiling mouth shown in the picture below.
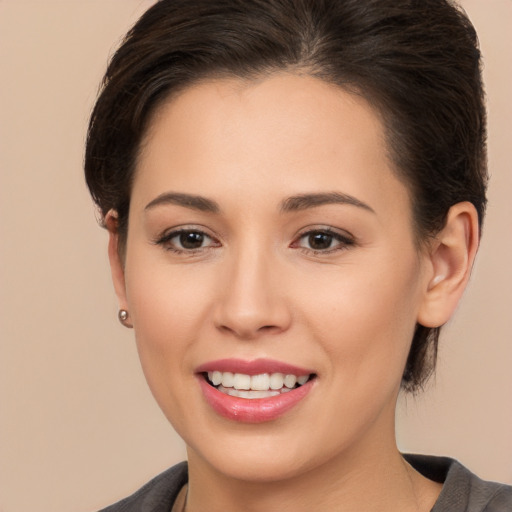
(263, 385)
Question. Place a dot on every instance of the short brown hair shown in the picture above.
(416, 61)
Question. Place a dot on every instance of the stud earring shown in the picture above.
(123, 318)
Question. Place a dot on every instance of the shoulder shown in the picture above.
(462, 490)
(157, 495)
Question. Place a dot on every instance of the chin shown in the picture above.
(263, 457)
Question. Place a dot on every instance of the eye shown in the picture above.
(186, 240)
(190, 239)
(323, 241)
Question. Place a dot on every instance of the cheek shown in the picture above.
(166, 301)
(168, 309)
(365, 318)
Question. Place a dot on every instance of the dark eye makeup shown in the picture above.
(323, 241)
(316, 241)
(186, 240)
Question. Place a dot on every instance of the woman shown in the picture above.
(294, 191)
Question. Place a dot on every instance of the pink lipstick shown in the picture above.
(253, 391)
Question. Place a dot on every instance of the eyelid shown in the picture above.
(322, 228)
(168, 234)
(344, 238)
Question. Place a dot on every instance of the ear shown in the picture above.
(451, 256)
(116, 263)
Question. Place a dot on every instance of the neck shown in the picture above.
(374, 481)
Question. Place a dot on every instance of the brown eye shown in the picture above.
(323, 241)
(187, 241)
(191, 240)
(320, 241)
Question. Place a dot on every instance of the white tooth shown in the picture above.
(303, 379)
(258, 394)
(248, 394)
(216, 377)
(210, 374)
(263, 394)
(276, 381)
(260, 382)
(228, 379)
(290, 381)
(242, 381)
(285, 390)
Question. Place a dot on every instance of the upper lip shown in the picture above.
(254, 367)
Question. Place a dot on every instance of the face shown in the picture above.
(268, 236)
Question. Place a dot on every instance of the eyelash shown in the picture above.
(166, 241)
(344, 241)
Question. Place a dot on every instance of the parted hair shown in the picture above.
(417, 62)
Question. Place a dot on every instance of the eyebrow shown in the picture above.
(187, 200)
(305, 201)
(291, 204)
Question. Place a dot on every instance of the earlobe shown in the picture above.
(451, 256)
(116, 263)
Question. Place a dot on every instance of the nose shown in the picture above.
(252, 299)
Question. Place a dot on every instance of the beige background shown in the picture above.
(78, 427)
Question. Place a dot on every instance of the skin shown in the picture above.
(257, 289)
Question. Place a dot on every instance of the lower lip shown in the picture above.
(257, 410)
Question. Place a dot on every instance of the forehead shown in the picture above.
(295, 104)
(285, 134)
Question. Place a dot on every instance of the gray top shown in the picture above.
(462, 490)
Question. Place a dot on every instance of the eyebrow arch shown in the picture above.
(305, 201)
(187, 200)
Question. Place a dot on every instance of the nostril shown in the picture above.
(268, 328)
(246, 331)
(248, 320)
